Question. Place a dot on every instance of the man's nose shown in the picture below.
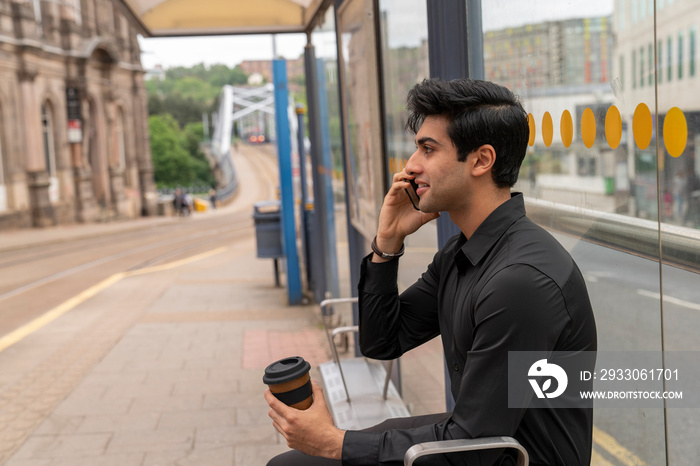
(412, 167)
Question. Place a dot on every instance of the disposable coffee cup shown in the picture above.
(288, 379)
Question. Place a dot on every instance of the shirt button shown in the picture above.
(457, 367)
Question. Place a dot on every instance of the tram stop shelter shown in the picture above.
(608, 198)
(448, 23)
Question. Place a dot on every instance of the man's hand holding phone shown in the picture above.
(400, 215)
(412, 194)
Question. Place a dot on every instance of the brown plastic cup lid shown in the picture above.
(285, 370)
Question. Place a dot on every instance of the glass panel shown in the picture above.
(592, 182)
(679, 177)
(650, 74)
(404, 52)
(691, 52)
(659, 62)
(669, 57)
(642, 70)
(680, 55)
(324, 40)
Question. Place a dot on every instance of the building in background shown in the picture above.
(569, 52)
(671, 65)
(74, 142)
(552, 65)
(295, 72)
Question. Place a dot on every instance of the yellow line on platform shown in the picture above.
(27, 329)
(31, 327)
(609, 444)
(178, 263)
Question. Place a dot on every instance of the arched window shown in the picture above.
(47, 129)
(47, 132)
(3, 188)
(120, 149)
(78, 13)
(90, 136)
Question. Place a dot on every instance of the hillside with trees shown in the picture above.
(175, 107)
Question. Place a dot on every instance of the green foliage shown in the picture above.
(178, 101)
(183, 109)
(173, 163)
(186, 93)
(193, 135)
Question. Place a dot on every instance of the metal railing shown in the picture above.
(680, 246)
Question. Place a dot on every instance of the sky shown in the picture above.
(231, 50)
(228, 50)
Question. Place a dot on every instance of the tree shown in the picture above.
(178, 101)
(172, 164)
(193, 135)
(186, 93)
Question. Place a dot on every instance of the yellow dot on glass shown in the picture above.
(675, 132)
(566, 126)
(533, 131)
(613, 127)
(547, 129)
(642, 126)
(588, 128)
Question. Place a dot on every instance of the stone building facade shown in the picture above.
(74, 144)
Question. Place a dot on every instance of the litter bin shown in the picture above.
(268, 229)
(268, 232)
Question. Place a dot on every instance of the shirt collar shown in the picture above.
(492, 229)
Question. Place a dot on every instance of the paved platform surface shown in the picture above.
(164, 366)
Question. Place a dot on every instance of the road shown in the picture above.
(36, 277)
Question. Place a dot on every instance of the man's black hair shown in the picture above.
(479, 112)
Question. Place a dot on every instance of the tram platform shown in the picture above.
(164, 366)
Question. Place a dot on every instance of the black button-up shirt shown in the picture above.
(510, 287)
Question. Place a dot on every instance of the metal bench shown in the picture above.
(359, 391)
(453, 446)
(360, 394)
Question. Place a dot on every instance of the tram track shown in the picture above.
(34, 279)
(183, 244)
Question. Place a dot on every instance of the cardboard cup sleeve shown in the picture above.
(288, 379)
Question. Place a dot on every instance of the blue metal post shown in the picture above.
(284, 153)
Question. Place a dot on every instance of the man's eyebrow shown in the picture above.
(425, 139)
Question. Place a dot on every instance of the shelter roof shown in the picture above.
(167, 18)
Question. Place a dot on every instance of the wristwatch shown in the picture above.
(386, 255)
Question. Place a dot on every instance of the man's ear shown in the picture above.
(483, 159)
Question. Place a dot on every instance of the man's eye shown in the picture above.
(427, 149)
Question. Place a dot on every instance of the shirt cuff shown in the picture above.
(378, 278)
(361, 448)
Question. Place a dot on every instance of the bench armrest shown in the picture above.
(451, 446)
(340, 330)
(325, 311)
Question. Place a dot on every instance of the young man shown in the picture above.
(503, 284)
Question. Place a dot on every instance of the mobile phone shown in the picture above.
(412, 195)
